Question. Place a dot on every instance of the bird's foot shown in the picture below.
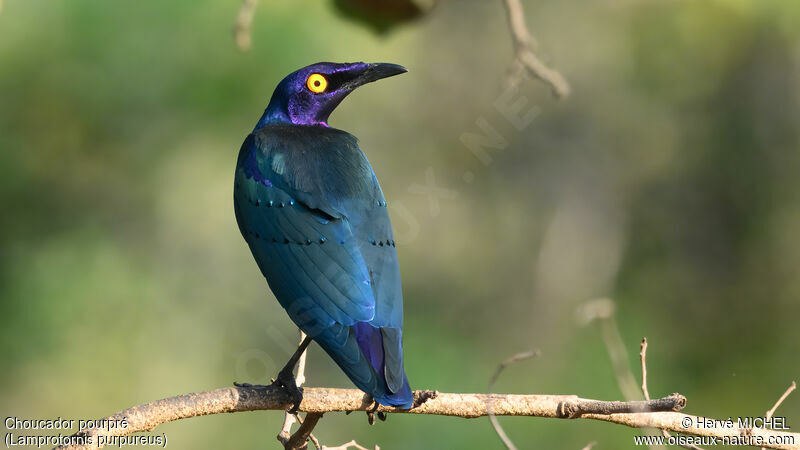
(421, 397)
(373, 411)
(286, 382)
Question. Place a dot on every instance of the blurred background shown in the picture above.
(667, 181)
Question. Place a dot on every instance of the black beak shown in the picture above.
(377, 71)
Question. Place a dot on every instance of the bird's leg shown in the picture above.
(285, 377)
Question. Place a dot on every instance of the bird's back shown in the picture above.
(313, 214)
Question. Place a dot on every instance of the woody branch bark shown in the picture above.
(324, 400)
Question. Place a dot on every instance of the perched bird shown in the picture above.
(313, 214)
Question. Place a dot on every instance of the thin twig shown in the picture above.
(313, 439)
(513, 359)
(242, 28)
(301, 364)
(299, 440)
(495, 424)
(602, 310)
(788, 391)
(589, 445)
(525, 58)
(289, 419)
(286, 430)
(619, 358)
(643, 358)
(311, 435)
(347, 445)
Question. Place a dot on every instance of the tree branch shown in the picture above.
(788, 391)
(524, 58)
(299, 440)
(646, 392)
(242, 28)
(321, 400)
(347, 445)
(285, 437)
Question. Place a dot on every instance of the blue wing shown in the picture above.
(311, 210)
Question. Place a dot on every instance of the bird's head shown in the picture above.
(309, 95)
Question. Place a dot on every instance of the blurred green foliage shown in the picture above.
(667, 181)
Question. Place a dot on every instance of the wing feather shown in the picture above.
(313, 214)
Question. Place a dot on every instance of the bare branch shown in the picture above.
(286, 430)
(525, 59)
(301, 364)
(242, 28)
(311, 435)
(602, 310)
(299, 440)
(589, 445)
(495, 424)
(643, 358)
(513, 359)
(321, 400)
(285, 435)
(789, 390)
(347, 445)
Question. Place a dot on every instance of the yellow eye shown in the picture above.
(316, 83)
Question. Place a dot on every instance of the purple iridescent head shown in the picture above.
(309, 95)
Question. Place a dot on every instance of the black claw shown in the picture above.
(382, 416)
(371, 412)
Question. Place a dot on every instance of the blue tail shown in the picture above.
(373, 360)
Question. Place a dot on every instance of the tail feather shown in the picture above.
(363, 357)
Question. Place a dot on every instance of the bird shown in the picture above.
(308, 204)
